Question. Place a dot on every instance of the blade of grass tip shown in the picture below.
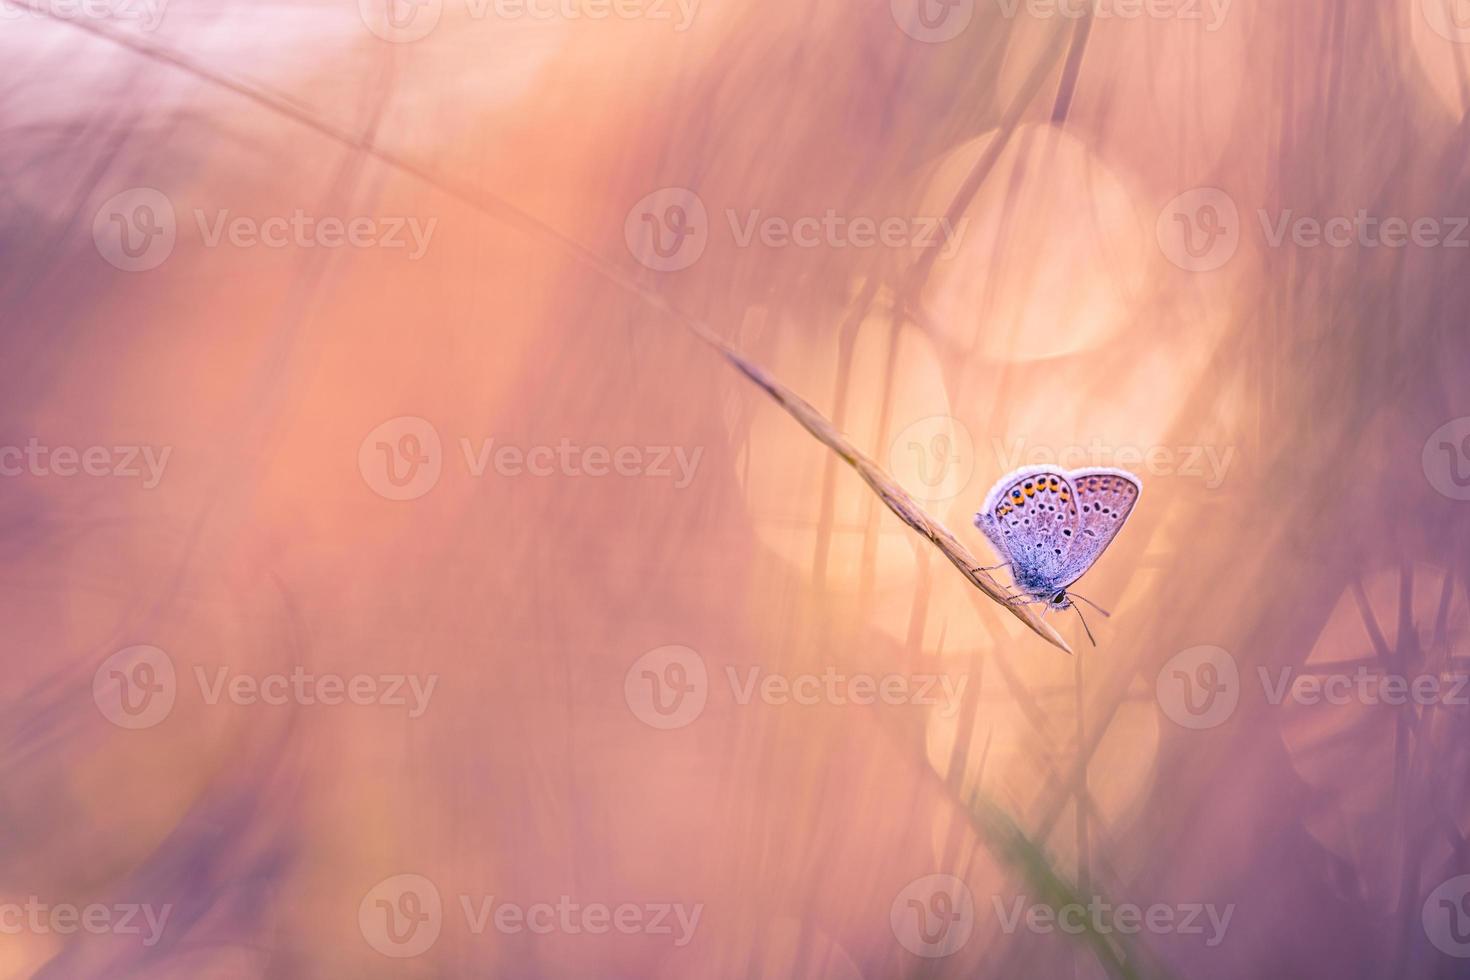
(1121, 956)
(494, 206)
(888, 490)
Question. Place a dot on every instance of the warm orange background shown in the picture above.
(1060, 321)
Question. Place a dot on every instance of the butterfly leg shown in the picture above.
(991, 568)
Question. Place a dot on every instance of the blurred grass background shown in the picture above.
(1060, 321)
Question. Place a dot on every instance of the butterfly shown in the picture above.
(1050, 525)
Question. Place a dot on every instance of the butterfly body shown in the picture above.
(1050, 525)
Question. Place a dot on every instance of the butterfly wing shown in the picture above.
(1104, 499)
(1031, 518)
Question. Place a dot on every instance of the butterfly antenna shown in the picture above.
(1084, 622)
(1092, 604)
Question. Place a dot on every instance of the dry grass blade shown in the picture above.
(890, 493)
(491, 204)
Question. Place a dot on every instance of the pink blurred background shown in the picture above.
(426, 567)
